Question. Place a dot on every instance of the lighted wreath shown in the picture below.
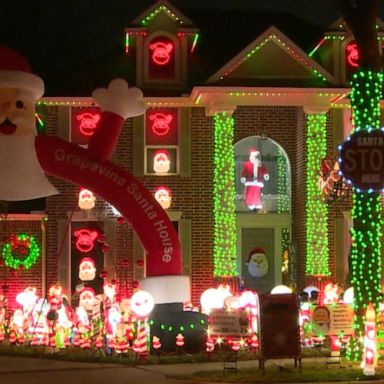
(21, 251)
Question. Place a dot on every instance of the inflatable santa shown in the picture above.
(252, 176)
(22, 177)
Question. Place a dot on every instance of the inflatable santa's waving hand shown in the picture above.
(22, 177)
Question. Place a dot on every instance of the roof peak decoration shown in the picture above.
(272, 34)
(340, 26)
(162, 6)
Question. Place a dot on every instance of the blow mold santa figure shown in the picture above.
(253, 175)
(22, 177)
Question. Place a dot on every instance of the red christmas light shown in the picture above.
(161, 121)
(88, 122)
(352, 54)
(161, 52)
(85, 241)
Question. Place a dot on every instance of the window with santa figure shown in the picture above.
(161, 63)
(84, 122)
(262, 176)
(87, 256)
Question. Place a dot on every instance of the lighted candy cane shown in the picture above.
(370, 353)
(142, 304)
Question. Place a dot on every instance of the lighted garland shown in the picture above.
(317, 256)
(282, 193)
(27, 242)
(366, 213)
(224, 247)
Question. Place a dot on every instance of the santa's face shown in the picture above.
(258, 265)
(87, 271)
(163, 197)
(254, 157)
(17, 112)
(161, 163)
(87, 299)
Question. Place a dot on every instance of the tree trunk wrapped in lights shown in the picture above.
(367, 83)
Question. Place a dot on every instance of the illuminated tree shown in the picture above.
(361, 16)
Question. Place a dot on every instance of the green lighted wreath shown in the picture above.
(22, 251)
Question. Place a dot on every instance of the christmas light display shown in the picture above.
(317, 260)
(224, 249)
(161, 123)
(366, 213)
(161, 161)
(87, 199)
(162, 8)
(85, 239)
(162, 51)
(352, 54)
(88, 122)
(163, 196)
(87, 270)
(370, 353)
(21, 251)
(283, 201)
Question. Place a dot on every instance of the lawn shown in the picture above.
(311, 372)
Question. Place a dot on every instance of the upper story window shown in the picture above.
(84, 121)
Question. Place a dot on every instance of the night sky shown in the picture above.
(61, 37)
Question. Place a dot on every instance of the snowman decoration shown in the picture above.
(257, 263)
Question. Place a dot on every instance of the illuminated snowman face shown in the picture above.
(142, 303)
(258, 265)
(87, 270)
(161, 162)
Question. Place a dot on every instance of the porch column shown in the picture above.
(224, 214)
(317, 250)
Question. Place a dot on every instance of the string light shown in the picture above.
(317, 263)
(366, 213)
(283, 201)
(224, 248)
(162, 8)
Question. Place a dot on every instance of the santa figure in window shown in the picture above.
(252, 176)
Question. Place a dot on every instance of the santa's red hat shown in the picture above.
(87, 260)
(161, 155)
(251, 150)
(255, 251)
(15, 72)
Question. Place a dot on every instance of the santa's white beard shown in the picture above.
(22, 177)
(161, 167)
(258, 270)
(87, 275)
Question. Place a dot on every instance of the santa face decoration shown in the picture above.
(87, 270)
(88, 122)
(161, 162)
(161, 123)
(85, 240)
(161, 52)
(86, 199)
(257, 264)
(163, 197)
(87, 298)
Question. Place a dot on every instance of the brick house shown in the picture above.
(206, 110)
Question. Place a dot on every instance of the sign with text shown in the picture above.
(362, 159)
(341, 319)
(229, 324)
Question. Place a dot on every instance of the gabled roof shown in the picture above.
(278, 54)
(341, 26)
(159, 7)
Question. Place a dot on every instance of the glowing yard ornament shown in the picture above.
(210, 344)
(214, 298)
(109, 290)
(370, 353)
(87, 270)
(161, 52)
(142, 303)
(88, 122)
(163, 196)
(180, 340)
(281, 289)
(27, 298)
(331, 293)
(160, 125)
(156, 344)
(87, 298)
(254, 342)
(87, 199)
(161, 161)
(352, 54)
(236, 345)
(85, 241)
(348, 296)
(248, 299)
